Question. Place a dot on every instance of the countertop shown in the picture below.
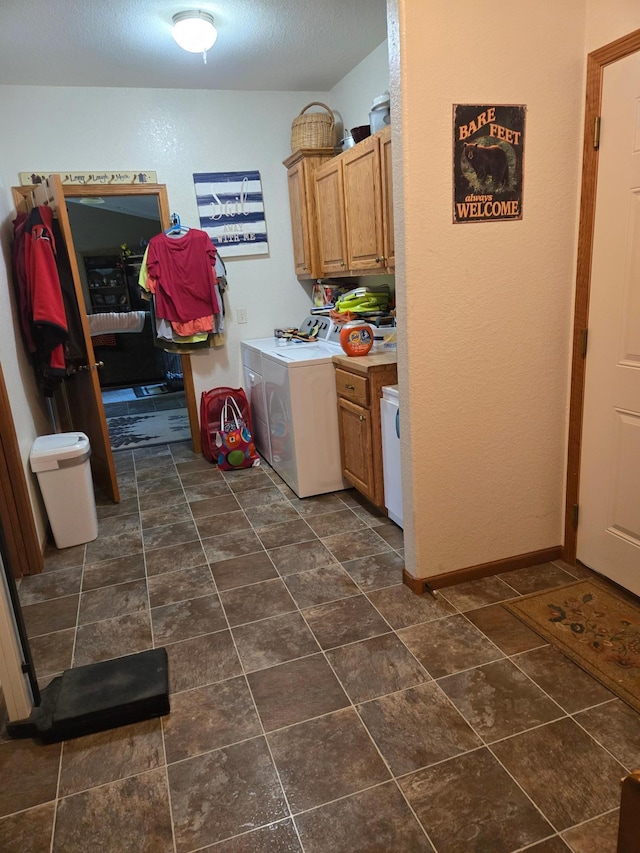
(363, 363)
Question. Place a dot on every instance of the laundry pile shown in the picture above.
(178, 274)
(373, 299)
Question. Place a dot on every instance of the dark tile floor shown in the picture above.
(317, 704)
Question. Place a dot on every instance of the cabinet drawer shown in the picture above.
(352, 387)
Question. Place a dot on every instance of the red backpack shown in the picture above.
(211, 405)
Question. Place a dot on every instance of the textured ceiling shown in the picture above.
(267, 45)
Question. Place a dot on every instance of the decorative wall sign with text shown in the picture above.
(80, 178)
(488, 155)
(231, 211)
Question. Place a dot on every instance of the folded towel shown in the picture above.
(113, 322)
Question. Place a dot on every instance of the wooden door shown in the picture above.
(363, 206)
(16, 515)
(609, 497)
(79, 399)
(332, 242)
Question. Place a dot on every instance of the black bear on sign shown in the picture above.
(488, 160)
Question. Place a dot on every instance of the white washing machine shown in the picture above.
(292, 393)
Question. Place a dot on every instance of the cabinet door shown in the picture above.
(330, 219)
(387, 199)
(356, 447)
(300, 225)
(363, 206)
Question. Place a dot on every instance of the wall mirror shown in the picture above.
(110, 227)
(110, 231)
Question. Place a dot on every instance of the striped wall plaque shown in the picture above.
(231, 211)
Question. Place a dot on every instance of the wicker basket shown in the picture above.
(313, 130)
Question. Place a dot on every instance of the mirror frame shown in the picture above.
(87, 190)
(160, 191)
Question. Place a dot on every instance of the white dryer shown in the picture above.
(292, 392)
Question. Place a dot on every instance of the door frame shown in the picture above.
(597, 61)
(16, 514)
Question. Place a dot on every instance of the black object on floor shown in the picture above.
(150, 390)
(99, 696)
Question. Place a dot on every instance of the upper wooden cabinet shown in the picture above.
(362, 181)
(387, 197)
(345, 222)
(330, 219)
(301, 167)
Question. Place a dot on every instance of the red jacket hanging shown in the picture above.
(42, 311)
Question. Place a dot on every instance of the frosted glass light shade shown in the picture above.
(194, 31)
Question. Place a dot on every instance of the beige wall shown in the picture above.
(484, 366)
(487, 306)
(352, 97)
(608, 20)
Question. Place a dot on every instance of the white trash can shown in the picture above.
(61, 463)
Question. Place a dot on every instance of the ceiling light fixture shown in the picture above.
(194, 31)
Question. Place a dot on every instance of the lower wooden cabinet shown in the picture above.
(356, 443)
(359, 383)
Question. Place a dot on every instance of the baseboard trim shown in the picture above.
(484, 570)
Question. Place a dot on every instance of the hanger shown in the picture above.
(42, 196)
(49, 193)
(176, 227)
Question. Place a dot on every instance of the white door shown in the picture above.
(609, 521)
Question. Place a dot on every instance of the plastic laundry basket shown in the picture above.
(61, 463)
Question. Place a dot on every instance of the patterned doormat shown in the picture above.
(594, 626)
(146, 430)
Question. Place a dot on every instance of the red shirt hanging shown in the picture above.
(185, 279)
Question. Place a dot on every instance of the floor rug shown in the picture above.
(146, 430)
(594, 626)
